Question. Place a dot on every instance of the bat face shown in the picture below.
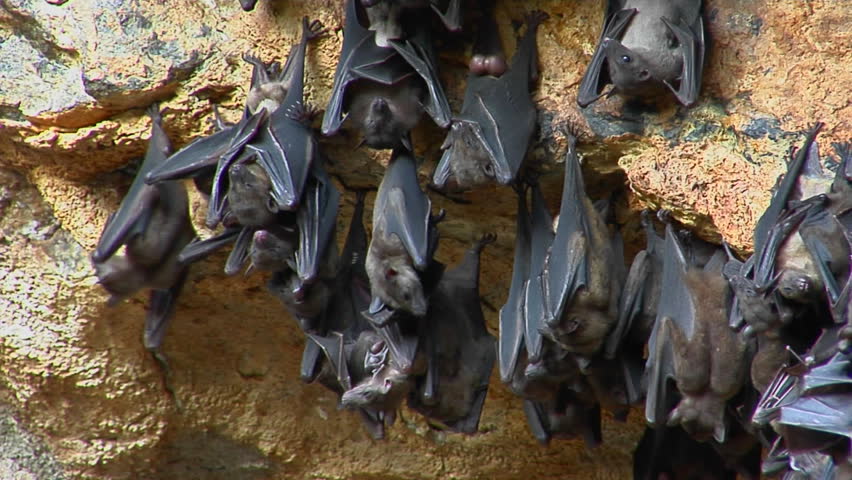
(385, 114)
(394, 279)
(249, 195)
(467, 161)
(629, 71)
(272, 252)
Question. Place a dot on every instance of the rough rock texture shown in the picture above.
(73, 81)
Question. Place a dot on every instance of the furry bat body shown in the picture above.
(384, 84)
(460, 351)
(489, 139)
(692, 345)
(153, 225)
(581, 277)
(404, 239)
(647, 46)
(670, 453)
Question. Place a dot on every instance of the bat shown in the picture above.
(670, 453)
(404, 239)
(274, 132)
(489, 139)
(153, 225)
(580, 280)
(389, 11)
(646, 47)
(384, 84)
(692, 346)
(460, 351)
(511, 343)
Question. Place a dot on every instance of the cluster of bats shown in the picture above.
(729, 357)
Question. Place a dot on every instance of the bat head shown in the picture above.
(120, 277)
(386, 113)
(629, 71)
(394, 280)
(466, 162)
(385, 389)
(249, 194)
(271, 252)
(268, 96)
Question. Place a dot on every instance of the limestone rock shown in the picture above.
(74, 79)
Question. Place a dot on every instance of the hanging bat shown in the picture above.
(389, 11)
(511, 343)
(459, 349)
(692, 346)
(153, 225)
(670, 453)
(489, 139)
(384, 86)
(567, 411)
(645, 47)
(404, 239)
(274, 132)
(580, 279)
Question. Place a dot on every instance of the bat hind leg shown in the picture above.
(470, 423)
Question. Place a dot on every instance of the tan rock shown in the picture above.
(73, 81)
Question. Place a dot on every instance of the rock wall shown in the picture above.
(74, 80)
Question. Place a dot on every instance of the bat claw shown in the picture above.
(486, 239)
(665, 215)
(535, 18)
(438, 217)
(313, 30)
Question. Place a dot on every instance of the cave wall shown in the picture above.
(74, 81)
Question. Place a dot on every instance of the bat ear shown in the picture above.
(391, 273)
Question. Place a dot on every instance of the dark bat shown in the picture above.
(692, 346)
(534, 303)
(489, 139)
(404, 238)
(512, 322)
(647, 46)
(274, 132)
(568, 410)
(670, 453)
(448, 11)
(459, 348)
(153, 224)
(580, 279)
(391, 84)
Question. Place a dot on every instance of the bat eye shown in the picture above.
(626, 59)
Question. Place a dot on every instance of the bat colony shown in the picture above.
(731, 358)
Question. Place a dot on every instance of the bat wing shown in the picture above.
(135, 210)
(286, 149)
(240, 252)
(293, 73)
(835, 374)
(200, 156)
(402, 347)
(537, 421)
(417, 52)
(199, 249)
(332, 347)
(566, 266)
(162, 306)
(452, 16)
(675, 310)
(784, 191)
(512, 313)
(408, 209)
(596, 77)
(829, 413)
(691, 39)
(631, 303)
(317, 219)
(534, 301)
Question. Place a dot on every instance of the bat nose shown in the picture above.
(380, 105)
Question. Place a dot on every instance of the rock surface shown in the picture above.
(73, 83)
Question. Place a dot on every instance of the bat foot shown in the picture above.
(314, 29)
(486, 239)
(535, 18)
(665, 216)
